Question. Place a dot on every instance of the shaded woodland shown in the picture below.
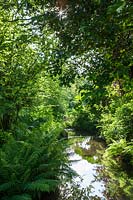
(64, 64)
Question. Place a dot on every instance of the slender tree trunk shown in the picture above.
(61, 4)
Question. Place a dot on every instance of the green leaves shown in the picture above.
(116, 7)
(18, 197)
(118, 162)
(31, 161)
(43, 185)
(93, 41)
(7, 186)
(118, 124)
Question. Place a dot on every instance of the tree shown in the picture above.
(88, 39)
(32, 156)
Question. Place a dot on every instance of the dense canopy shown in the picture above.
(63, 64)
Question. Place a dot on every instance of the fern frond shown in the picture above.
(34, 156)
(44, 166)
(18, 197)
(43, 185)
(7, 186)
(46, 175)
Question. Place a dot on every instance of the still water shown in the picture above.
(85, 169)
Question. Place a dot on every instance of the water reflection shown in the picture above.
(86, 170)
(85, 144)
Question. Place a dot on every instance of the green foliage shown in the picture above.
(33, 164)
(90, 39)
(19, 62)
(92, 35)
(121, 150)
(53, 97)
(117, 7)
(43, 185)
(118, 124)
(118, 160)
(72, 191)
(85, 122)
(31, 106)
(18, 197)
(86, 116)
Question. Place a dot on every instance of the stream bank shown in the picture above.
(92, 182)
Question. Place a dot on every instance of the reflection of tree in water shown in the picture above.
(87, 188)
(73, 192)
(92, 151)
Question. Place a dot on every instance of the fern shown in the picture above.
(43, 185)
(18, 197)
(32, 165)
(7, 186)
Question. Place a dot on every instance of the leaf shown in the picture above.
(117, 7)
(44, 185)
(7, 186)
(18, 197)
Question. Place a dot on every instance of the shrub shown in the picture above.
(118, 125)
(85, 122)
(118, 162)
(31, 165)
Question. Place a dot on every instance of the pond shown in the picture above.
(84, 155)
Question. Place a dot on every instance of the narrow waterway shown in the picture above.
(84, 157)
